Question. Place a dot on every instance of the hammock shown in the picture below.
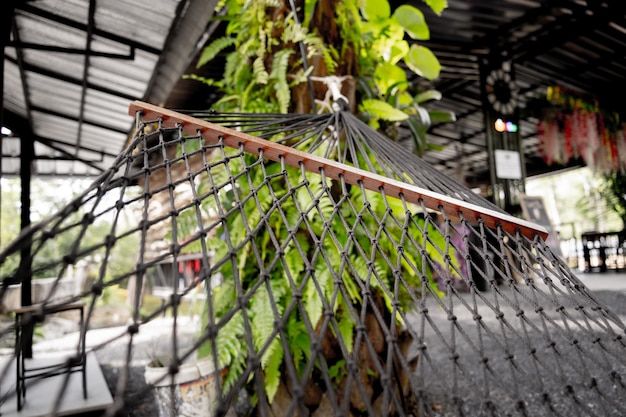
(341, 276)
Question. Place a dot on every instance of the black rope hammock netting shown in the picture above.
(339, 275)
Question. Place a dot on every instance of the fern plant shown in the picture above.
(262, 68)
(286, 272)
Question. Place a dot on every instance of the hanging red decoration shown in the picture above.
(572, 128)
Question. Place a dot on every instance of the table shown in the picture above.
(605, 243)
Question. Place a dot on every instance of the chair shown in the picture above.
(30, 315)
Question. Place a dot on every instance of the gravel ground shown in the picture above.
(571, 379)
(559, 381)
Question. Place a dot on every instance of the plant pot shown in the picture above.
(191, 393)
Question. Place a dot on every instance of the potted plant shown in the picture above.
(190, 392)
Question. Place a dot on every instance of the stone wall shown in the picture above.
(65, 289)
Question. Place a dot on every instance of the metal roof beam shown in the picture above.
(504, 31)
(74, 157)
(549, 37)
(91, 26)
(81, 26)
(180, 47)
(68, 79)
(53, 143)
(76, 51)
(77, 119)
(547, 74)
(20, 64)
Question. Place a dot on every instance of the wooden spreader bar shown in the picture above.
(451, 206)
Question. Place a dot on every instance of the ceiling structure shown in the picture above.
(72, 66)
(577, 44)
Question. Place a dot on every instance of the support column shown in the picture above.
(6, 12)
(27, 155)
(504, 147)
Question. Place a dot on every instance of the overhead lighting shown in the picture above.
(511, 127)
(6, 131)
(502, 126)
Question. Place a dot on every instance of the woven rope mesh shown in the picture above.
(323, 297)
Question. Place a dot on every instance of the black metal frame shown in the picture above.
(24, 319)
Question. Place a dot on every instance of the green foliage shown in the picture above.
(383, 110)
(48, 199)
(374, 10)
(379, 40)
(413, 22)
(613, 191)
(211, 50)
(438, 6)
(423, 62)
(258, 267)
(262, 67)
(279, 75)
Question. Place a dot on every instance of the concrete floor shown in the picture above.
(42, 395)
(609, 288)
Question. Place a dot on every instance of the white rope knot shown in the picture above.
(334, 84)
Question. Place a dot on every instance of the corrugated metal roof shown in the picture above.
(76, 102)
(580, 44)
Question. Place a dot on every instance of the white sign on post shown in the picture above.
(508, 165)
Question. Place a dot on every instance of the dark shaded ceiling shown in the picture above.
(577, 44)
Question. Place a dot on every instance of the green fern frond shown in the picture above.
(299, 342)
(382, 271)
(312, 298)
(346, 324)
(263, 316)
(359, 266)
(315, 46)
(214, 48)
(283, 95)
(249, 48)
(231, 352)
(272, 3)
(301, 76)
(261, 312)
(294, 32)
(258, 68)
(272, 369)
(293, 260)
(233, 61)
(280, 65)
(208, 81)
(324, 203)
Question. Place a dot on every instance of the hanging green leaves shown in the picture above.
(438, 6)
(390, 76)
(413, 22)
(374, 10)
(381, 110)
(423, 62)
